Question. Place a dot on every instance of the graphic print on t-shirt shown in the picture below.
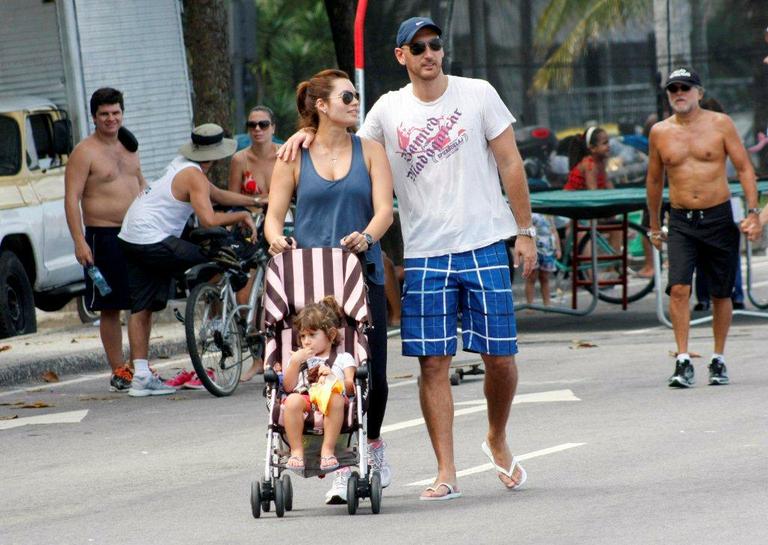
(440, 138)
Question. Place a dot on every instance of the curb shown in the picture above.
(79, 362)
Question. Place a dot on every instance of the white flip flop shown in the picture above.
(451, 495)
(508, 473)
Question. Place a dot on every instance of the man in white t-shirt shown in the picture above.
(150, 241)
(450, 143)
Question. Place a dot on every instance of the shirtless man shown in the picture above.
(692, 146)
(103, 178)
(249, 173)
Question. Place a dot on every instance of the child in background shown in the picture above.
(587, 157)
(327, 379)
(548, 249)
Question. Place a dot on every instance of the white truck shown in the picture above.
(53, 55)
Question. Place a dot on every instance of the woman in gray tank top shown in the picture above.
(343, 187)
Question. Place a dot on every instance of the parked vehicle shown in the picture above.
(54, 55)
(37, 261)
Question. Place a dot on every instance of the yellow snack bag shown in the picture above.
(320, 393)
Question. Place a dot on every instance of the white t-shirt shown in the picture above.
(445, 176)
(342, 361)
(156, 214)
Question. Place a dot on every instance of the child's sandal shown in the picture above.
(329, 463)
(295, 462)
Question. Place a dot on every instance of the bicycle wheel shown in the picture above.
(637, 287)
(214, 344)
(254, 340)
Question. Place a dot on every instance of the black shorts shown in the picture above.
(152, 267)
(108, 257)
(706, 240)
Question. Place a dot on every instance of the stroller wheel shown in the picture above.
(375, 492)
(287, 491)
(352, 498)
(279, 499)
(266, 495)
(255, 499)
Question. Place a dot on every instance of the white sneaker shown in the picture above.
(379, 463)
(337, 495)
(149, 385)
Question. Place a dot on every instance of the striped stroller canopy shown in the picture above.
(299, 277)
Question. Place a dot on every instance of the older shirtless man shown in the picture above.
(103, 178)
(692, 146)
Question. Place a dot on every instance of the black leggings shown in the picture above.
(377, 367)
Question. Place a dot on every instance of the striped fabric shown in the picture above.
(298, 277)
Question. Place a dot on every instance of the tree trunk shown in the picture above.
(206, 35)
(341, 15)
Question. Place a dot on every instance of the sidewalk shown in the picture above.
(65, 346)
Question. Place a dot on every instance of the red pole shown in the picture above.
(362, 8)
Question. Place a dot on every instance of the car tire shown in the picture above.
(17, 301)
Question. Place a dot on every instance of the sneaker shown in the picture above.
(121, 380)
(683, 377)
(337, 495)
(379, 462)
(181, 378)
(195, 383)
(718, 373)
(149, 386)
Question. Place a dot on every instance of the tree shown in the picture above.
(294, 42)
(206, 36)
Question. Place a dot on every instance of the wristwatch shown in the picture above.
(368, 239)
(529, 232)
(754, 211)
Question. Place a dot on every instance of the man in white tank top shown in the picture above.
(150, 237)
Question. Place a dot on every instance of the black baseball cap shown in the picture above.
(683, 75)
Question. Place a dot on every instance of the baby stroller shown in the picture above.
(294, 279)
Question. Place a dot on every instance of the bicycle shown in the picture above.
(219, 336)
(609, 263)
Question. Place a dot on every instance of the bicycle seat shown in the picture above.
(202, 234)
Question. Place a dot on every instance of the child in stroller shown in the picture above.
(310, 279)
(327, 379)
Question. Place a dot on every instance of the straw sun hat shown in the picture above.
(208, 144)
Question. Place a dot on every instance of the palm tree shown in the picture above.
(587, 20)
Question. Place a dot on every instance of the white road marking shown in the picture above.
(69, 417)
(403, 383)
(488, 466)
(97, 376)
(538, 397)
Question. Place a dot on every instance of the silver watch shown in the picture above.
(529, 232)
(368, 239)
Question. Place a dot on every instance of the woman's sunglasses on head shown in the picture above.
(263, 125)
(348, 96)
(417, 48)
(682, 87)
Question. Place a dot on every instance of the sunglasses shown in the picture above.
(417, 48)
(348, 96)
(263, 124)
(682, 87)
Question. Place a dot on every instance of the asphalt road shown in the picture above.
(613, 454)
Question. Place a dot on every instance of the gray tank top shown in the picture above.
(328, 210)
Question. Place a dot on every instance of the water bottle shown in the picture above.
(99, 281)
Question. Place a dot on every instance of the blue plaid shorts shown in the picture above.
(475, 284)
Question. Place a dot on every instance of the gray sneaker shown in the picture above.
(683, 377)
(379, 463)
(149, 386)
(718, 372)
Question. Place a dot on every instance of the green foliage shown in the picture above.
(582, 20)
(294, 42)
